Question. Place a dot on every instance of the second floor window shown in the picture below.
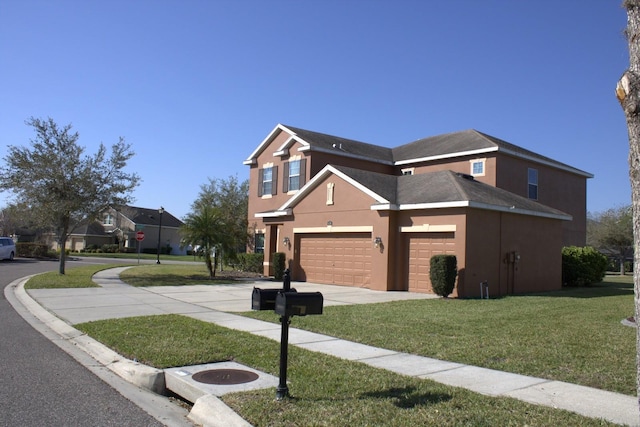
(108, 219)
(294, 175)
(477, 167)
(533, 184)
(267, 179)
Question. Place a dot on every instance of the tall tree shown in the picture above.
(61, 185)
(218, 218)
(611, 232)
(628, 93)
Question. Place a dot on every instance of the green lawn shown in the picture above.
(572, 335)
(77, 277)
(170, 275)
(326, 391)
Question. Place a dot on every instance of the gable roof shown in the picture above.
(450, 145)
(316, 141)
(145, 216)
(465, 143)
(434, 190)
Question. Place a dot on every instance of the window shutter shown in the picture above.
(285, 178)
(274, 177)
(303, 172)
(260, 181)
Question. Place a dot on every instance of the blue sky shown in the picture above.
(196, 85)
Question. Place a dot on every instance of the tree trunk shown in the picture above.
(63, 253)
(627, 92)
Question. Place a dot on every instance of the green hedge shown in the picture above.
(252, 263)
(32, 250)
(582, 266)
(279, 259)
(443, 272)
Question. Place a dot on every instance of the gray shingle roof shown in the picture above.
(151, 217)
(344, 146)
(445, 187)
(446, 145)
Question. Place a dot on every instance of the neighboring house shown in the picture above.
(350, 213)
(121, 225)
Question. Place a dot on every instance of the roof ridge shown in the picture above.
(454, 177)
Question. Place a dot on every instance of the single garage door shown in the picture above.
(422, 246)
(337, 258)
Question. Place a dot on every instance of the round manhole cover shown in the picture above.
(225, 376)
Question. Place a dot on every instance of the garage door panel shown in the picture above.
(337, 258)
(421, 247)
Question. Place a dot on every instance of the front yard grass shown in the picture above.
(77, 277)
(326, 391)
(572, 335)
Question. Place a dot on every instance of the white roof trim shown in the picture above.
(252, 157)
(475, 205)
(351, 155)
(284, 148)
(553, 164)
(446, 156)
(326, 171)
(274, 214)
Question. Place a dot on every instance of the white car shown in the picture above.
(7, 248)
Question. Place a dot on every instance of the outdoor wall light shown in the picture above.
(286, 241)
(377, 242)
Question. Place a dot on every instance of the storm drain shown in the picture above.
(193, 382)
(225, 376)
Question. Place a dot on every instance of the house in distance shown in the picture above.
(350, 213)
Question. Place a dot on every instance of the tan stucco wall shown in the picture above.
(558, 189)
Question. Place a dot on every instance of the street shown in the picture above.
(43, 384)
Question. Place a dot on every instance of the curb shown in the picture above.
(208, 410)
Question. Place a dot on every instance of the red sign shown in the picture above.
(140, 236)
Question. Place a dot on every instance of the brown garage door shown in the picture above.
(421, 248)
(337, 258)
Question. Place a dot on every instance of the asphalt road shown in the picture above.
(44, 385)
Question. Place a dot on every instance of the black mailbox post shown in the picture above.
(286, 302)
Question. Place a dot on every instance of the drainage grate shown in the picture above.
(225, 376)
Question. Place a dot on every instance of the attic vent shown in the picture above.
(338, 146)
(465, 176)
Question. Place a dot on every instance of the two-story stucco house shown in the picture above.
(356, 214)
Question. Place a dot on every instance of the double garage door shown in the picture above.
(421, 247)
(336, 258)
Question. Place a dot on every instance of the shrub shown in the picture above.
(582, 266)
(110, 248)
(251, 262)
(32, 250)
(278, 265)
(443, 272)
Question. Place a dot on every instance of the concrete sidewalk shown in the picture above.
(215, 304)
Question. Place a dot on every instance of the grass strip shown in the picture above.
(77, 277)
(170, 275)
(326, 391)
(573, 335)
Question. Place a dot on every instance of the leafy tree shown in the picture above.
(61, 185)
(218, 220)
(628, 93)
(611, 232)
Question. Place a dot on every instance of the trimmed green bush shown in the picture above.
(252, 263)
(110, 248)
(443, 272)
(32, 250)
(279, 259)
(582, 266)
